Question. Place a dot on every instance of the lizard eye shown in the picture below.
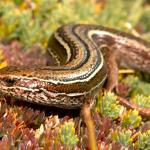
(9, 82)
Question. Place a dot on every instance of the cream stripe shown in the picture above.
(117, 38)
(74, 74)
(58, 94)
(64, 44)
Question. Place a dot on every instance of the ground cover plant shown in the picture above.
(25, 27)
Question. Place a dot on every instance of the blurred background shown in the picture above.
(25, 28)
(31, 22)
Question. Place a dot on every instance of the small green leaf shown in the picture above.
(131, 119)
(67, 134)
(108, 105)
(143, 142)
(141, 100)
(122, 137)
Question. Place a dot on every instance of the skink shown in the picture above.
(83, 56)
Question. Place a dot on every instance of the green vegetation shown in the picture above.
(143, 142)
(32, 22)
(29, 23)
(131, 119)
(108, 105)
(137, 86)
(141, 100)
(123, 138)
(67, 134)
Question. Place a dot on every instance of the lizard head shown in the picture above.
(13, 83)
